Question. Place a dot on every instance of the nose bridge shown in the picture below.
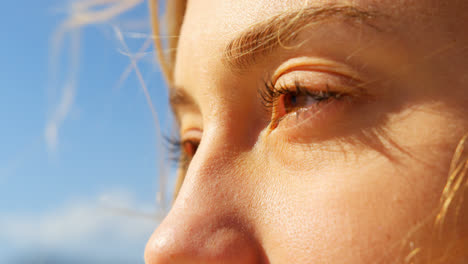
(220, 166)
(208, 222)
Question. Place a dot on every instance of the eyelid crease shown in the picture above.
(315, 64)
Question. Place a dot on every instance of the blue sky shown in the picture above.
(88, 191)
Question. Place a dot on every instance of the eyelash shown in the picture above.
(271, 96)
(178, 154)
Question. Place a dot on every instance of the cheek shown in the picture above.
(350, 215)
(356, 201)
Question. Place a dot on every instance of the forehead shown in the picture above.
(209, 25)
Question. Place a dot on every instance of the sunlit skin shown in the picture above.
(339, 181)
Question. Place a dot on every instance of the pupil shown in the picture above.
(293, 99)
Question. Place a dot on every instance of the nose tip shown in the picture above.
(192, 243)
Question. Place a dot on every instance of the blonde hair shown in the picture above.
(175, 10)
(446, 244)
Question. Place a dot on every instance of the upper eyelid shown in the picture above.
(192, 134)
(318, 79)
(314, 64)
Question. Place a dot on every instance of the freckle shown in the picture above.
(389, 237)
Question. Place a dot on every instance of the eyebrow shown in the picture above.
(178, 97)
(261, 39)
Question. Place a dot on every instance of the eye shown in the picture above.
(301, 98)
(190, 147)
(283, 101)
(182, 151)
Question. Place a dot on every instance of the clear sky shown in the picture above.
(87, 193)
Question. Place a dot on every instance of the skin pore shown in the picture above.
(321, 131)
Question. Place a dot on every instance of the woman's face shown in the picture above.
(325, 128)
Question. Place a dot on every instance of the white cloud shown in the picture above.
(114, 224)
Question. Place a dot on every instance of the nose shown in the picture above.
(198, 239)
(208, 222)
